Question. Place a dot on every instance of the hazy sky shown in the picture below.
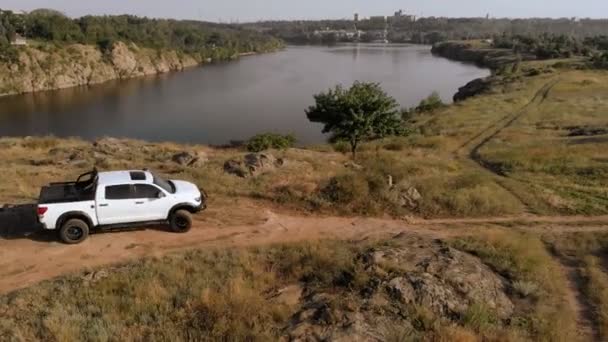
(247, 10)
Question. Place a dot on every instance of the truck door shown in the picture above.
(115, 204)
(151, 203)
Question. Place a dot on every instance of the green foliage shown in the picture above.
(8, 54)
(361, 113)
(209, 40)
(544, 46)
(345, 189)
(267, 141)
(600, 61)
(430, 104)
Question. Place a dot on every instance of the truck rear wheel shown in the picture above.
(181, 221)
(74, 231)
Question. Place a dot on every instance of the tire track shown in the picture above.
(586, 323)
(538, 99)
(493, 131)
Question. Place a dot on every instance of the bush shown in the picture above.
(430, 104)
(267, 141)
(346, 188)
(341, 146)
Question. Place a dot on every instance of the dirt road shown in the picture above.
(27, 261)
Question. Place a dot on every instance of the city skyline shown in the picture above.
(243, 11)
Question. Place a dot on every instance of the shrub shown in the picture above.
(346, 188)
(430, 104)
(267, 141)
(341, 146)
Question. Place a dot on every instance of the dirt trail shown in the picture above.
(472, 147)
(587, 328)
(27, 261)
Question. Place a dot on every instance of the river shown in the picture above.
(217, 103)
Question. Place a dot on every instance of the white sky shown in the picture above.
(249, 10)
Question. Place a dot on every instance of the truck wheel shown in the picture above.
(181, 221)
(74, 231)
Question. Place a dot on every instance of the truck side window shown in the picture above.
(118, 192)
(145, 191)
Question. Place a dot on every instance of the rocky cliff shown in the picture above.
(46, 67)
(483, 56)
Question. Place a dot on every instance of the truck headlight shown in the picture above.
(198, 199)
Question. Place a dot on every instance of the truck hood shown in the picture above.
(185, 188)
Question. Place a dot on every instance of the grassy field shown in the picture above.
(231, 295)
(538, 145)
(534, 145)
(537, 279)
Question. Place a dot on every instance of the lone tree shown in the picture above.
(363, 112)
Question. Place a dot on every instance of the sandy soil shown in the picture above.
(26, 261)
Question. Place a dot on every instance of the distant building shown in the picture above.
(379, 18)
(356, 17)
(18, 40)
(401, 17)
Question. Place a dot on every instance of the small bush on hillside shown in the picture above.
(430, 104)
(346, 188)
(267, 141)
(341, 146)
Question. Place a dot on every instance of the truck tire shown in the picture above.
(181, 221)
(74, 231)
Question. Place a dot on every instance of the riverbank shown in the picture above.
(479, 53)
(44, 67)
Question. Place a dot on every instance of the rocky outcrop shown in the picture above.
(253, 164)
(190, 159)
(485, 57)
(409, 273)
(49, 67)
(475, 87)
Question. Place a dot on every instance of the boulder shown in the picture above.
(234, 167)
(410, 272)
(253, 164)
(110, 146)
(258, 162)
(473, 88)
(190, 159)
(404, 195)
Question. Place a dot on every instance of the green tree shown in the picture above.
(361, 113)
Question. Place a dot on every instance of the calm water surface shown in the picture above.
(232, 101)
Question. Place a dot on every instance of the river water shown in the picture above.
(217, 103)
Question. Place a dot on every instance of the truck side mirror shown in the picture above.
(160, 195)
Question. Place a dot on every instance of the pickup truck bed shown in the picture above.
(64, 193)
(18, 220)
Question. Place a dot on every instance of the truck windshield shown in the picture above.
(165, 184)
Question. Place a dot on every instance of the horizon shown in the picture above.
(233, 11)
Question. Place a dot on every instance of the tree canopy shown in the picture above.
(360, 113)
(208, 39)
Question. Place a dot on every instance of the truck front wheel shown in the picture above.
(74, 231)
(181, 221)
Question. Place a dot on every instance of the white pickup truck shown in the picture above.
(107, 200)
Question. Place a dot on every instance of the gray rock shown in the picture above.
(253, 164)
(401, 289)
(190, 159)
(236, 168)
(109, 146)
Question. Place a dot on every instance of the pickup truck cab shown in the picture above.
(117, 199)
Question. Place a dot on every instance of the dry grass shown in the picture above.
(227, 295)
(546, 171)
(522, 257)
(590, 252)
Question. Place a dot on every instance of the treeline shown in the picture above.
(548, 46)
(208, 39)
(432, 30)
